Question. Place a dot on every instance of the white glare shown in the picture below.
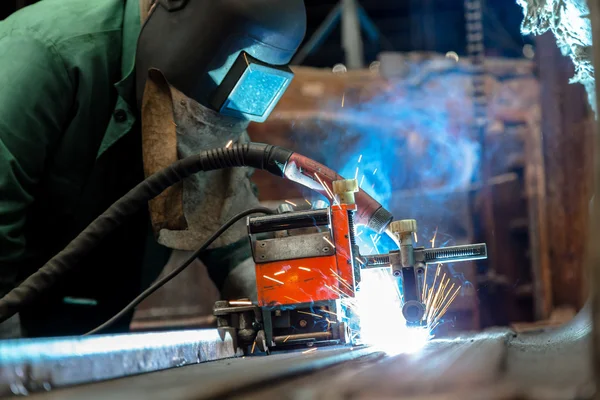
(339, 69)
(453, 55)
(382, 324)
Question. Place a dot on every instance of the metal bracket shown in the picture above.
(293, 247)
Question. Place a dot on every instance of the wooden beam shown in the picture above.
(567, 147)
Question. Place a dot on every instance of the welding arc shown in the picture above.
(153, 288)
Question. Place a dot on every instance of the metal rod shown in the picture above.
(351, 38)
(30, 365)
(468, 252)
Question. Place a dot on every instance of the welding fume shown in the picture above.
(161, 164)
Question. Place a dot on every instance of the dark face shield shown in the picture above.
(228, 55)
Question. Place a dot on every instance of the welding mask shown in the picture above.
(228, 55)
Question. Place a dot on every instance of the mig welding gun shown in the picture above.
(307, 245)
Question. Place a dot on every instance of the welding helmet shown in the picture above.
(228, 55)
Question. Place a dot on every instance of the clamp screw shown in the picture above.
(404, 226)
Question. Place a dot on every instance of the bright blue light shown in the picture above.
(257, 92)
(20, 350)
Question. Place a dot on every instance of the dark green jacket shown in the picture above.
(69, 147)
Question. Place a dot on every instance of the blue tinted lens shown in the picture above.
(257, 92)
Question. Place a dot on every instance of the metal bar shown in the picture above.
(281, 222)
(468, 252)
(30, 365)
(320, 35)
(351, 39)
(218, 379)
(378, 261)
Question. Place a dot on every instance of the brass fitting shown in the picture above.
(344, 189)
(404, 229)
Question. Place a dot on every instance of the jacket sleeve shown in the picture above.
(35, 97)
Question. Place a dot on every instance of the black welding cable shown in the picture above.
(255, 155)
(154, 287)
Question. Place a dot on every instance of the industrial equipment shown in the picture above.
(308, 263)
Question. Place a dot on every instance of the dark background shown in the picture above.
(405, 25)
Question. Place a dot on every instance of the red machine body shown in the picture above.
(310, 277)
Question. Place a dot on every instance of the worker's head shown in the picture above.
(228, 55)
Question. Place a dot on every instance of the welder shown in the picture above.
(74, 138)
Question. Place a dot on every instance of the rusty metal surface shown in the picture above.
(29, 365)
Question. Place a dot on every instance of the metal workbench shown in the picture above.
(496, 364)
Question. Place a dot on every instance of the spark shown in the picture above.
(359, 260)
(438, 309)
(437, 298)
(343, 98)
(339, 292)
(416, 237)
(253, 346)
(308, 313)
(342, 280)
(445, 308)
(430, 294)
(287, 337)
(328, 241)
(377, 238)
(374, 172)
(304, 269)
(308, 202)
(292, 299)
(289, 202)
(328, 312)
(356, 173)
(273, 279)
(309, 350)
(279, 273)
(434, 236)
(346, 285)
(240, 303)
(329, 192)
(359, 233)
(336, 275)
(361, 181)
(228, 145)
(359, 158)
